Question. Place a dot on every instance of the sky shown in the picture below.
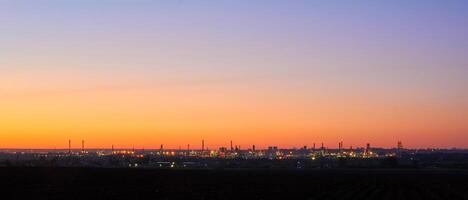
(142, 73)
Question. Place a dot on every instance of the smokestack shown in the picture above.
(69, 146)
(82, 146)
(368, 148)
(314, 146)
(203, 145)
(253, 147)
(231, 146)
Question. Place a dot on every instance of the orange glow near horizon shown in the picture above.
(148, 117)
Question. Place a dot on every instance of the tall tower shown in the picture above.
(82, 146)
(253, 147)
(367, 149)
(69, 147)
(232, 148)
(322, 150)
(203, 145)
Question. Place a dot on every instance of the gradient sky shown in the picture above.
(286, 73)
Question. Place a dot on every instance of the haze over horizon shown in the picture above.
(284, 73)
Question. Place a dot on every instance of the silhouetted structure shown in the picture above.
(399, 148)
(368, 150)
(82, 146)
(203, 145)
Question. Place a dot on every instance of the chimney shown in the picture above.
(82, 146)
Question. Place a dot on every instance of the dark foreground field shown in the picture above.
(87, 183)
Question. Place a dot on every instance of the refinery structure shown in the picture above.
(233, 152)
(316, 156)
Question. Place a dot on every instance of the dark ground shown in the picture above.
(98, 183)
